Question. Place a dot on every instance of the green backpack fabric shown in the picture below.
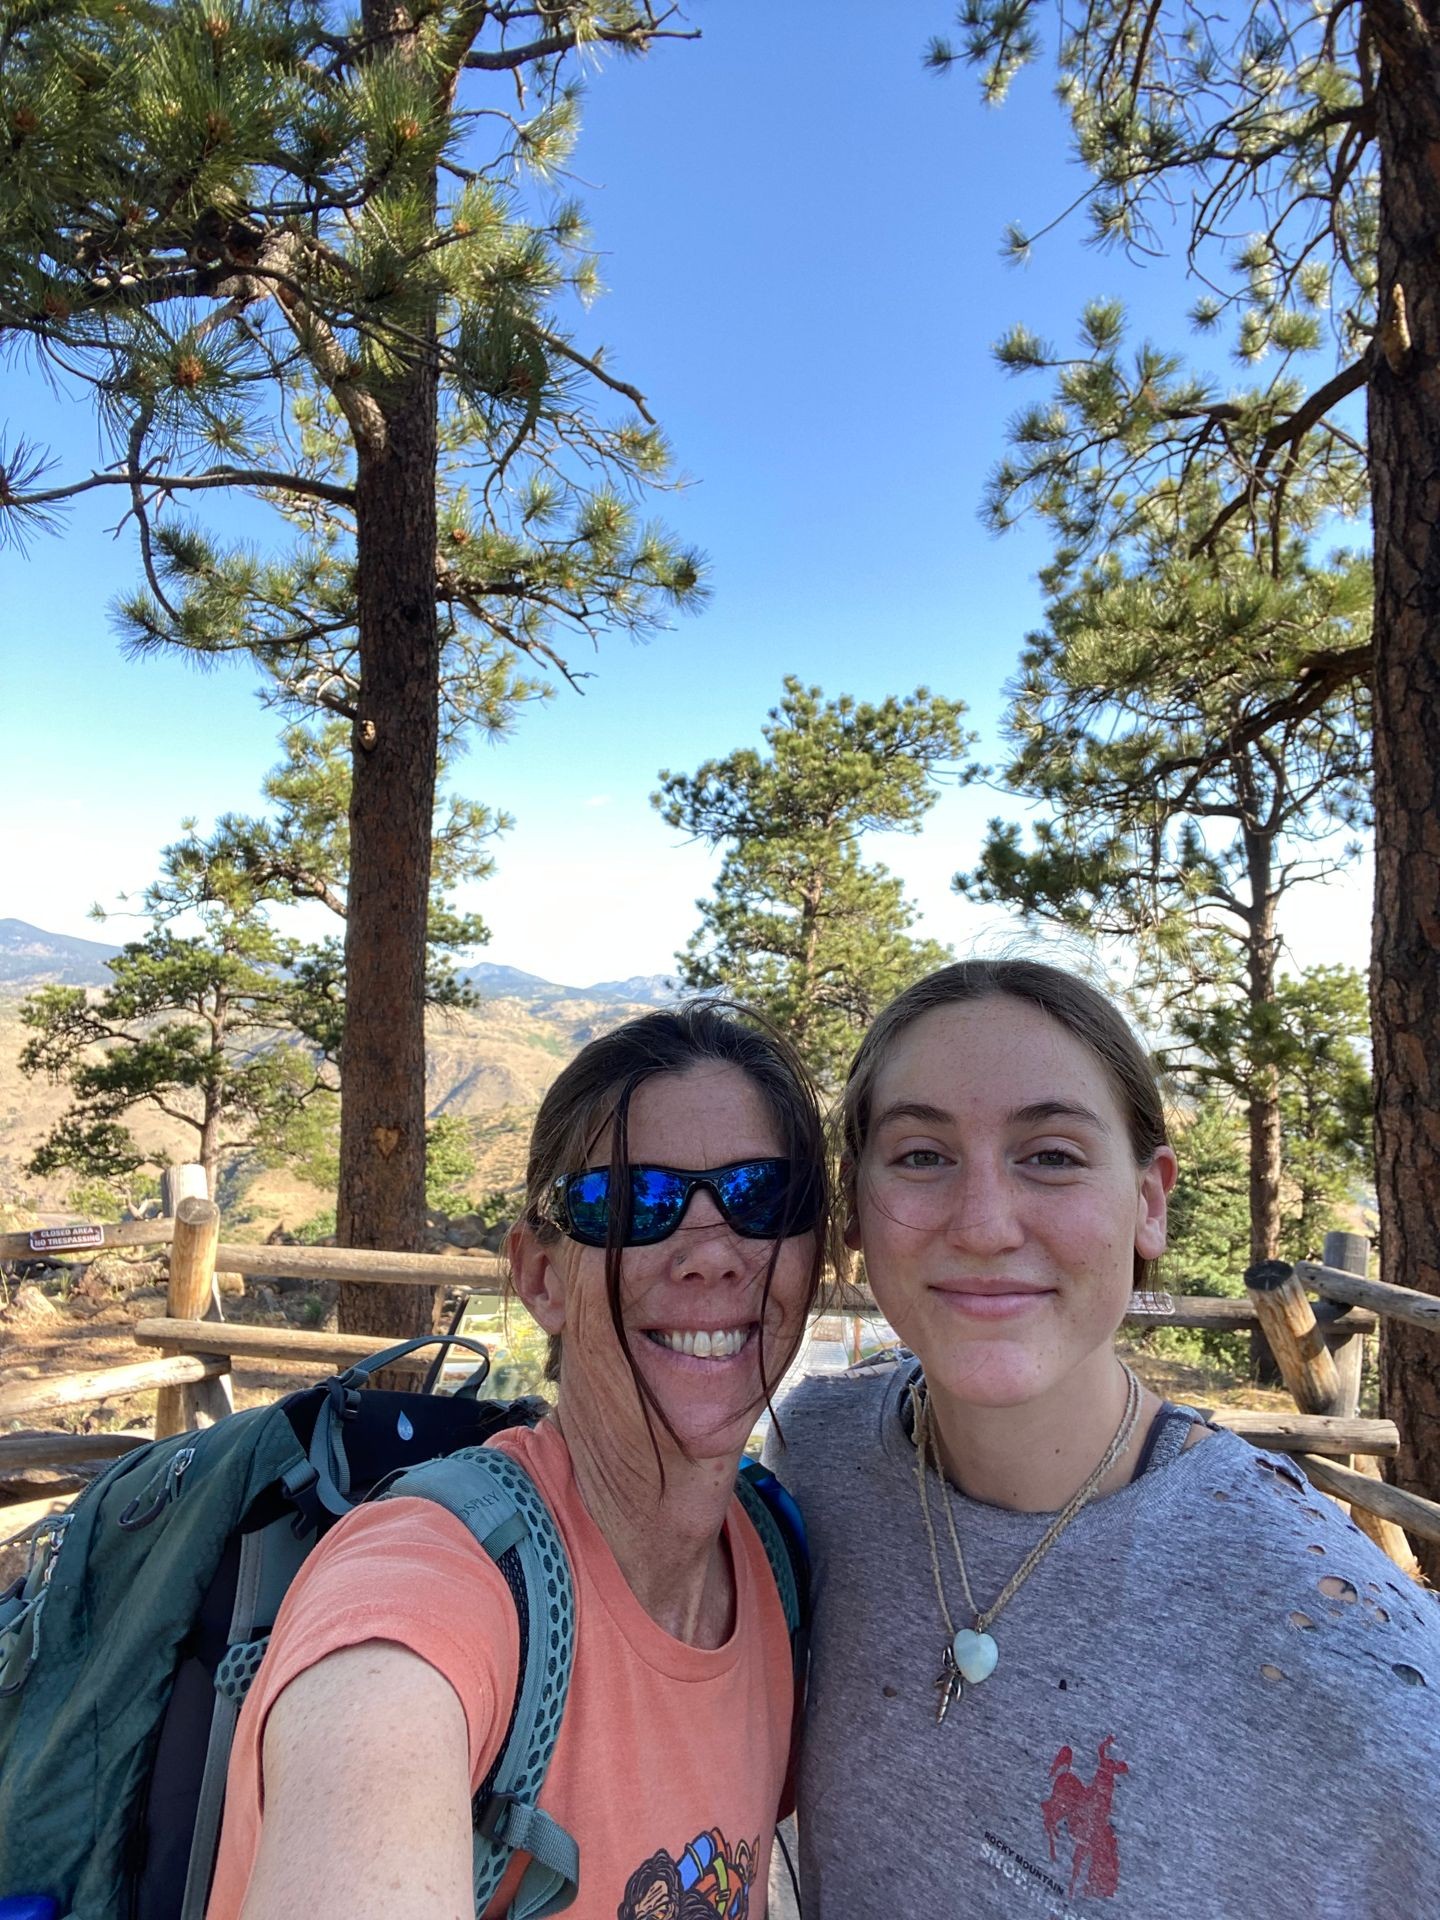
(126, 1651)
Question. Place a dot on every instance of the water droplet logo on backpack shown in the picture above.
(404, 1428)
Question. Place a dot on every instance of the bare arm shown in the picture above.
(367, 1794)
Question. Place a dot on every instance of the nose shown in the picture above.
(984, 1215)
(705, 1246)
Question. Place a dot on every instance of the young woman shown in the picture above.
(1074, 1651)
(671, 1245)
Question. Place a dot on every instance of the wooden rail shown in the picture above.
(281, 1344)
(1406, 1511)
(1395, 1303)
(1309, 1432)
(476, 1272)
(122, 1233)
(115, 1383)
(61, 1450)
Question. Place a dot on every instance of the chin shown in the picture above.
(989, 1374)
(711, 1419)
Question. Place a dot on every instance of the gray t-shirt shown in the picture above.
(1215, 1698)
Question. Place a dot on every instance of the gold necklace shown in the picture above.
(970, 1652)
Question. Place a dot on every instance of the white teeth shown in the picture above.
(719, 1345)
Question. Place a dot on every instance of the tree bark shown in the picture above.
(382, 1126)
(1404, 423)
(1263, 1105)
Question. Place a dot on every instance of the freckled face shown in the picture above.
(998, 1202)
(705, 1278)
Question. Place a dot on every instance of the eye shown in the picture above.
(921, 1159)
(1053, 1159)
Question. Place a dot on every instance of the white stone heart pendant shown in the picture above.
(975, 1655)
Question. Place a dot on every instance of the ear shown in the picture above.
(537, 1274)
(1151, 1203)
(852, 1229)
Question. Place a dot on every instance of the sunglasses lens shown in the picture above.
(761, 1203)
(657, 1200)
(587, 1202)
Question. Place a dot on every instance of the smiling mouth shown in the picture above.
(721, 1343)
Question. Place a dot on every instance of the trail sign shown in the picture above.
(65, 1239)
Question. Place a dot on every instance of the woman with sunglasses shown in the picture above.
(671, 1244)
(1074, 1651)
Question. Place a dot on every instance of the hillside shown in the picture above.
(30, 957)
(490, 1065)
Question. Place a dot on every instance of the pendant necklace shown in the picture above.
(970, 1653)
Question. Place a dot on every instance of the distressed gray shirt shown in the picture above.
(1215, 1698)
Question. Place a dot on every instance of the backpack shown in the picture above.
(128, 1647)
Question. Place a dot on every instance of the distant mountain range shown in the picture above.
(510, 983)
(30, 957)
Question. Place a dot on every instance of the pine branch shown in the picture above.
(508, 59)
(212, 477)
(1288, 433)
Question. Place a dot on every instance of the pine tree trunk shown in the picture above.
(1262, 952)
(1404, 414)
(382, 1125)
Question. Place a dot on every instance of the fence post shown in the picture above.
(1288, 1321)
(1350, 1253)
(179, 1183)
(192, 1281)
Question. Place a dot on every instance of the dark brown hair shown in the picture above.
(1082, 1010)
(591, 1098)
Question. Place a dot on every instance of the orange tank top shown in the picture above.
(671, 1758)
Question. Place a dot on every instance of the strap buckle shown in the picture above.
(499, 1814)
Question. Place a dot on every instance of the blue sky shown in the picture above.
(800, 232)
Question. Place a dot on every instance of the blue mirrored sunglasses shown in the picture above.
(756, 1197)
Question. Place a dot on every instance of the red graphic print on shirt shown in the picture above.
(1082, 1809)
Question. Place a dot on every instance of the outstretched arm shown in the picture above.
(366, 1794)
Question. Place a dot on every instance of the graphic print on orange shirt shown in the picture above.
(707, 1882)
(1081, 1810)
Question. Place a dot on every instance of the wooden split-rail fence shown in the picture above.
(1318, 1344)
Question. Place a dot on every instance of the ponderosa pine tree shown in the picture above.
(282, 248)
(801, 927)
(1298, 141)
(299, 851)
(1154, 719)
(222, 1031)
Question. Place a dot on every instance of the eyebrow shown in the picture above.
(1057, 1110)
(913, 1110)
(1032, 1115)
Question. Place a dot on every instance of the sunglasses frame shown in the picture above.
(692, 1178)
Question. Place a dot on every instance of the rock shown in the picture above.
(268, 1305)
(106, 1279)
(230, 1283)
(467, 1231)
(29, 1307)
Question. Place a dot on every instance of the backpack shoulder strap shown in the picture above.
(781, 1527)
(778, 1521)
(502, 1508)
